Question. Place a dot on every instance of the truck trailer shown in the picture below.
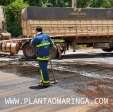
(66, 26)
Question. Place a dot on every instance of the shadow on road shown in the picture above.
(93, 55)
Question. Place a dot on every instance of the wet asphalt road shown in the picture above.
(87, 73)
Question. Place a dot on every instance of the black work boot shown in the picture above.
(40, 86)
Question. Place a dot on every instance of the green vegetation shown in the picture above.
(6, 2)
(95, 3)
(49, 3)
(13, 9)
(13, 14)
(101, 3)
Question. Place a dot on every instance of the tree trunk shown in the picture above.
(74, 3)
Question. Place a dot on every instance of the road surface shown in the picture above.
(85, 84)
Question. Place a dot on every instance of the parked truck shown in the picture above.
(67, 27)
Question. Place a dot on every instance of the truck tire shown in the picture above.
(108, 50)
(28, 51)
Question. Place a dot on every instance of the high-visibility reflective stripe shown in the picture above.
(43, 58)
(61, 41)
(44, 43)
(42, 77)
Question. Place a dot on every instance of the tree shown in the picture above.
(6, 2)
(41, 3)
(100, 3)
(95, 3)
(13, 14)
(52, 3)
(82, 3)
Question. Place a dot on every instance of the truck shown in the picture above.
(92, 27)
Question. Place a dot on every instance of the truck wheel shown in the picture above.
(28, 51)
(108, 50)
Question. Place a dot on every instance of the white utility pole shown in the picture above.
(74, 4)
